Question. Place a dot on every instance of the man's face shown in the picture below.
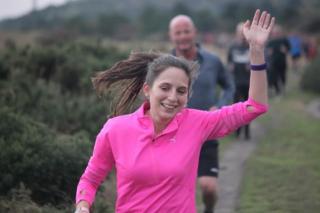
(182, 34)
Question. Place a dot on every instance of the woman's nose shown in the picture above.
(172, 96)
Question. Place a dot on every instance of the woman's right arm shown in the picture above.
(82, 207)
(99, 165)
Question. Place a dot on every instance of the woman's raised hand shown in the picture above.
(257, 32)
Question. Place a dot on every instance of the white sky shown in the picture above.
(15, 8)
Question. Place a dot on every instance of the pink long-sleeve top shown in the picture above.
(157, 173)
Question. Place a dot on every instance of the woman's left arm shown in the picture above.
(257, 34)
(229, 118)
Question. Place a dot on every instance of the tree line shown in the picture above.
(292, 14)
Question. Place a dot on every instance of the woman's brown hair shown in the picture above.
(130, 75)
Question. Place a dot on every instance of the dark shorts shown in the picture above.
(296, 55)
(209, 159)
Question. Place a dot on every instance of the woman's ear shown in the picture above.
(146, 90)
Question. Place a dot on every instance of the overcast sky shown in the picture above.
(14, 8)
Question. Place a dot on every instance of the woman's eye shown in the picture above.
(182, 91)
(165, 88)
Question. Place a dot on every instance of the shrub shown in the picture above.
(19, 201)
(49, 113)
(48, 164)
(310, 80)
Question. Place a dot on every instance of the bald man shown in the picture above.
(182, 33)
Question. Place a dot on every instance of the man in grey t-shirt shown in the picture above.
(182, 34)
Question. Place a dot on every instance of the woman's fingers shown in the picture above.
(262, 18)
(271, 24)
(261, 22)
(267, 21)
(246, 25)
(256, 17)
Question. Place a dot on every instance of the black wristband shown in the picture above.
(258, 67)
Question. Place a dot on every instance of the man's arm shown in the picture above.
(226, 82)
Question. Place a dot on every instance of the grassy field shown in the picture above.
(283, 175)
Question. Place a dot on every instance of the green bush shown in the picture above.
(310, 80)
(48, 164)
(71, 65)
(52, 84)
(19, 201)
(4, 70)
(65, 113)
(49, 117)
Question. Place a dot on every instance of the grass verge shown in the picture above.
(283, 175)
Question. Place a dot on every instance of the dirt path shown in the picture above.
(314, 108)
(232, 169)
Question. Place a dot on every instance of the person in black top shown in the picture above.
(277, 49)
(239, 66)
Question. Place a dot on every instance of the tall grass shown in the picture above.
(283, 175)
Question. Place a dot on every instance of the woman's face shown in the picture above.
(168, 94)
